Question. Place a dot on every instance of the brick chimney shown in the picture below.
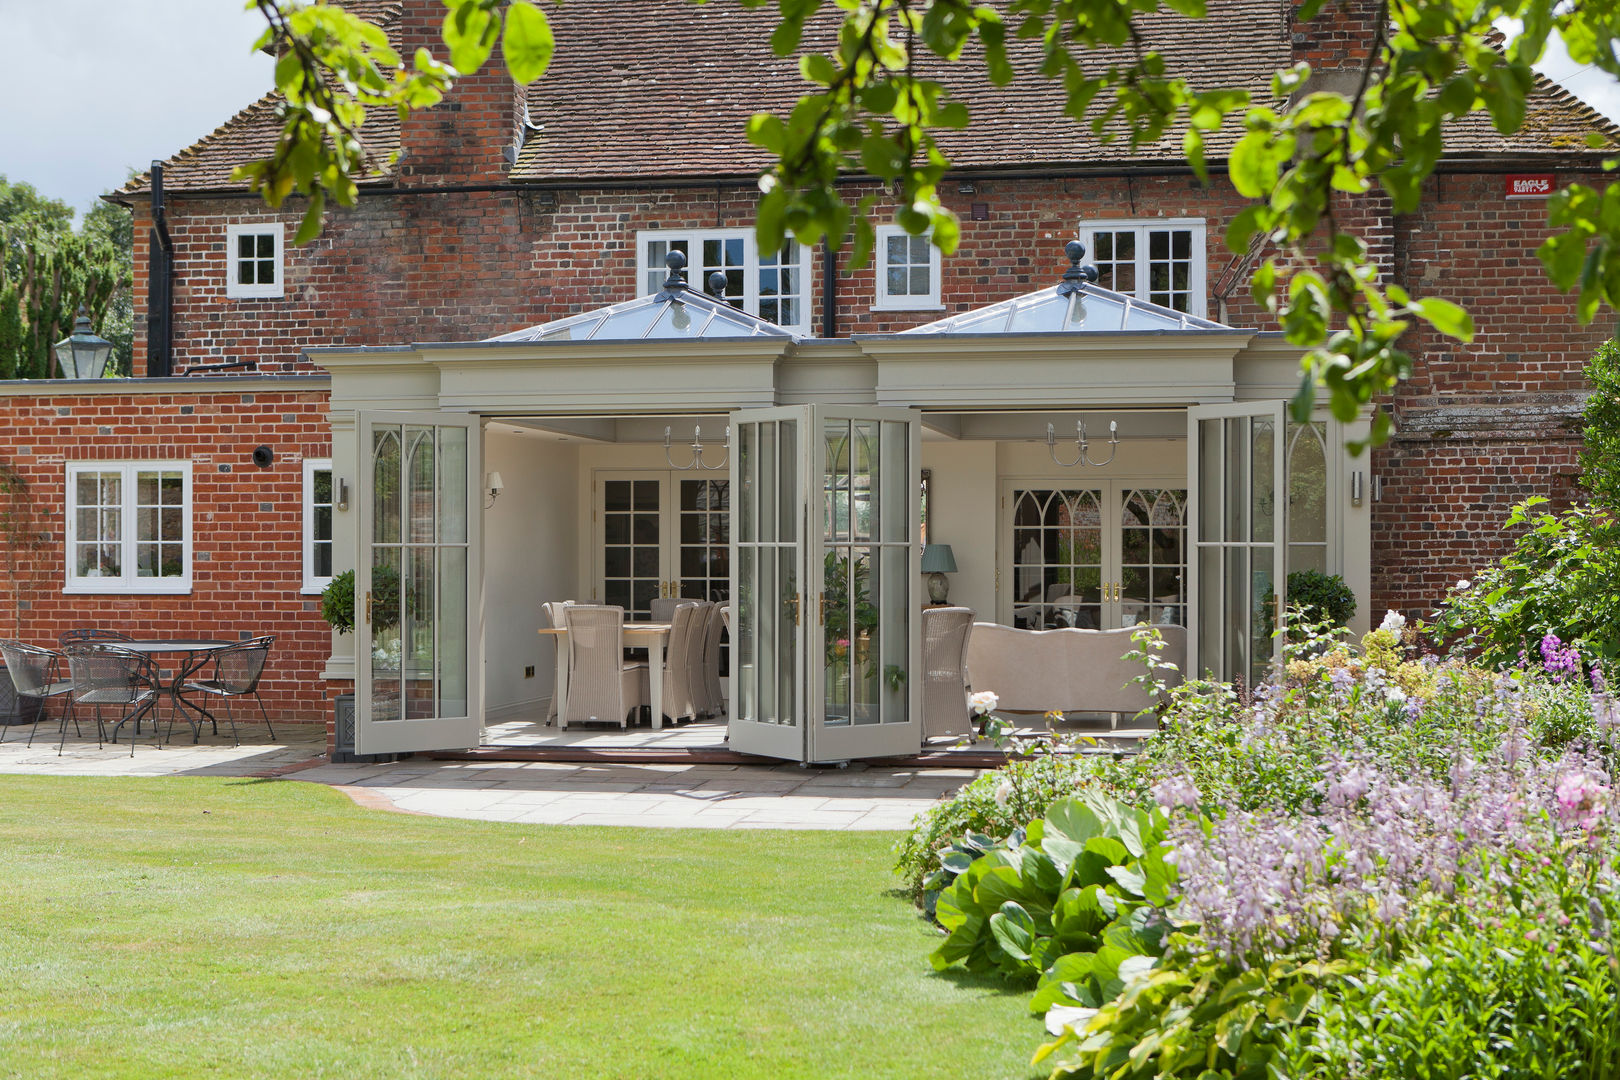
(462, 139)
(1337, 39)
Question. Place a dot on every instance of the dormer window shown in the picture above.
(253, 260)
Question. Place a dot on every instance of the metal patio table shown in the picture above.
(195, 654)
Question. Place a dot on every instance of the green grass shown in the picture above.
(195, 927)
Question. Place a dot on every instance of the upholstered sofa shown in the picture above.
(1075, 671)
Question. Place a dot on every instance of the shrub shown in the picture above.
(1600, 456)
(1561, 578)
(992, 805)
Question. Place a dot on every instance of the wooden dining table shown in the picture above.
(654, 636)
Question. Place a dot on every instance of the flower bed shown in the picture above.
(1379, 864)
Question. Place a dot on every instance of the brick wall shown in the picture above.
(247, 571)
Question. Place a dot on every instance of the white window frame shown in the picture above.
(313, 583)
(695, 274)
(1197, 282)
(129, 581)
(886, 302)
(236, 290)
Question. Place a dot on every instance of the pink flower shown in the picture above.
(1581, 800)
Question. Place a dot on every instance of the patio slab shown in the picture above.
(698, 796)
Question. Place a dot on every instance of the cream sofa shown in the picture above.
(1075, 671)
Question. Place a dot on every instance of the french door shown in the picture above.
(825, 577)
(418, 583)
(661, 534)
(1095, 555)
(1235, 461)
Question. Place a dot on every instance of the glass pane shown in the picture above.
(245, 274)
(1209, 480)
(864, 478)
(386, 700)
(146, 523)
(865, 638)
(452, 496)
(321, 486)
(244, 247)
(838, 637)
(1262, 618)
(267, 246)
(898, 484)
(616, 528)
(897, 249)
(452, 631)
(385, 488)
(1235, 506)
(770, 494)
(417, 633)
(616, 495)
(745, 684)
(146, 489)
(919, 281)
(267, 273)
(616, 562)
(322, 560)
(646, 495)
(321, 526)
(896, 276)
(787, 483)
(747, 443)
(836, 480)
(787, 637)
(771, 602)
(1263, 511)
(420, 486)
(85, 523)
(1307, 485)
(1238, 613)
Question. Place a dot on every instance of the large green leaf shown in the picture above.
(527, 43)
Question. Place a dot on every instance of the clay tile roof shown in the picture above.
(206, 164)
(664, 88)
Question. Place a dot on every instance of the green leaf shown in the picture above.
(527, 43)
(1446, 317)
(1013, 930)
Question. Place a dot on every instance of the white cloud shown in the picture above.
(95, 87)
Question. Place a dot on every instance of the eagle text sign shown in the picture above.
(1530, 186)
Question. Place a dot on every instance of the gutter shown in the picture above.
(160, 287)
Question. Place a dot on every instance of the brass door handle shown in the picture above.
(368, 607)
(795, 609)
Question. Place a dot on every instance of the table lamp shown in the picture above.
(937, 561)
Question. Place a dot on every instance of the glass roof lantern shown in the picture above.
(1076, 304)
(673, 313)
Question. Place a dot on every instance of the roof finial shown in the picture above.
(1076, 274)
(717, 284)
(676, 261)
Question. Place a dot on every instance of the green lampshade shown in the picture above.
(937, 559)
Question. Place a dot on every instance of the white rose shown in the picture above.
(1393, 620)
(984, 702)
(1463, 584)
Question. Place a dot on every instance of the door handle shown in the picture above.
(795, 609)
(368, 607)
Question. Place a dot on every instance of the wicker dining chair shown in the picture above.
(554, 615)
(681, 685)
(35, 673)
(602, 687)
(105, 675)
(945, 644)
(714, 698)
(236, 673)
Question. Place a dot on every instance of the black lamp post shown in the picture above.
(83, 355)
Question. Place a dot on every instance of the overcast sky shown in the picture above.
(92, 88)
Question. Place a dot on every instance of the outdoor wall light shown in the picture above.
(1355, 487)
(263, 457)
(343, 494)
(82, 354)
(494, 486)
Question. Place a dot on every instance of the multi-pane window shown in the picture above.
(1160, 261)
(774, 286)
(319, 500)
(253, 262)
(908, 270)
(129, 527)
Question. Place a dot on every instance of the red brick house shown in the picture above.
(511, 209)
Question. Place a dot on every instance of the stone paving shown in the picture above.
(660, 796)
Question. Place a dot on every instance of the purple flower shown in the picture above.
(1558, 660)
(1174, 791)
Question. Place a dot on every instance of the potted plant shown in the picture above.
(21, 537)
(337, 608)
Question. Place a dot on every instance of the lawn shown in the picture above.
(187, 927)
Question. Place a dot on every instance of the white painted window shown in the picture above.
(1162, 260)
(128, 527)
(253, 260)
(320, 498)
(774, 286)
(907, 270)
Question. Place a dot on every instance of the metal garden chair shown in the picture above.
(105, 675)
(236, 673)
(83, 634)
(35, 673)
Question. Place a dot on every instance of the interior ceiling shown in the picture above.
(994, 426)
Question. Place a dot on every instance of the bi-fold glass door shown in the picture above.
(826, 578)
(1240, 543)
(418, 624)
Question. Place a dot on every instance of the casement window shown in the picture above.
(319, 499)
(128, 527)
(253, 260)
(1162, 261)
(773, 286)
(907, 270)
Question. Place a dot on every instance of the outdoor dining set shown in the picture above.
(598, 680)
(108, 670)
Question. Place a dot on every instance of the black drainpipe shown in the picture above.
(829, 292)
(160, 287)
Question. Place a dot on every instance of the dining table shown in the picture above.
(194, 654)
(654, 636)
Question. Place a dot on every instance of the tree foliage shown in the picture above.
(872, 108)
